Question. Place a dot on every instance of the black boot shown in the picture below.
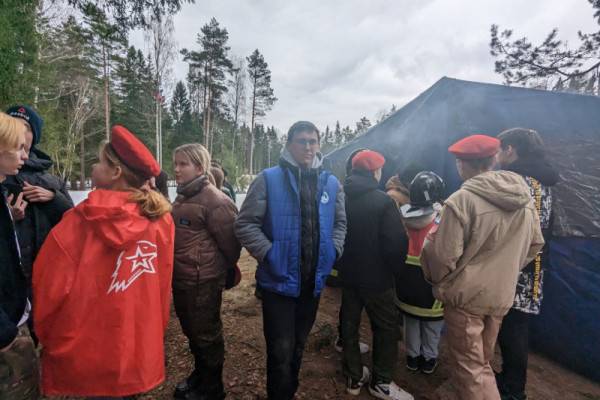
(214, 389)
(186, 389)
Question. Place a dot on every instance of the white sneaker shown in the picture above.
(364, 348)
(353, 387)
(389, 391)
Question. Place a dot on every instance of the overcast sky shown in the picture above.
(344, 59)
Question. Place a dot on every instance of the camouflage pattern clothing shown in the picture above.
(19, 373)
(529, 294)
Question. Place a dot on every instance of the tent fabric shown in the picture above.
(451, 109)
(421, 132)
(568, 327)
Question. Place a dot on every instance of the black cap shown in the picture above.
(28, 114)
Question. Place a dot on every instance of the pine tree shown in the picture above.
(208, 69)
(18, 47)
(362, 126)
(67, 81)
(135, 13)
(134, 101)
(262, 96)
(327, 140)
(277, 144)
(159, 37)
(237, 97)
(108, 41)
(348, 134)
(337, 134)
(181, 110)
(551, 63)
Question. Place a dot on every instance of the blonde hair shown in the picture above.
(197, 154)
(152, 204)
(10, 130)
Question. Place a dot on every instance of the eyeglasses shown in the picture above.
(304, 142)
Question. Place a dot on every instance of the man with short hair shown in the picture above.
(293, 222)
(488, 231)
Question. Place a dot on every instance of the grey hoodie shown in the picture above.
(488, 231)
(248, 225)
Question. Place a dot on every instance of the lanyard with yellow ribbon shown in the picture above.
(537, 272)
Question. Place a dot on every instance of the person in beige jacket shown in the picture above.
(488, 231)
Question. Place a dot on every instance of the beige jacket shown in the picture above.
(489, 230)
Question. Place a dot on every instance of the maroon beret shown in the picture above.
(475, 147)
(132, 152)
(368, 160)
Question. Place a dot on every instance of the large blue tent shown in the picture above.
(568, 327)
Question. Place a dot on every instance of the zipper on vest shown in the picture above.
(300, 234)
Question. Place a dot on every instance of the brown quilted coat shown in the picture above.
(205, 245)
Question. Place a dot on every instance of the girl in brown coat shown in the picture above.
(205, 249)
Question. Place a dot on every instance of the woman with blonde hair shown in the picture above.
(206, 251)
(17, 352)
(102, 281)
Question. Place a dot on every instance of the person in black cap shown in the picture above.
(18, 359)
(46, 196)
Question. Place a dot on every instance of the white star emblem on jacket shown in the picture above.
(141, 262)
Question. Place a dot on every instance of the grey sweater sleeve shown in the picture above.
(248, 224)
(339, 225)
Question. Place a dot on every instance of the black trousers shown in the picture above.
(199, 312)
(287, 321)
(514, 345)
(340, 322)
(383, 315)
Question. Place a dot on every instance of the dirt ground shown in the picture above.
(321, 376)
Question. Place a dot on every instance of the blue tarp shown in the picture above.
(568, 328)
(421, 131)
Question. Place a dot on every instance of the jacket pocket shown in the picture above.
(277, 261)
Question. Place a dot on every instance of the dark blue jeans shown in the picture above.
(287, 321)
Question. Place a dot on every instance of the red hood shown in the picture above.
(114, 219)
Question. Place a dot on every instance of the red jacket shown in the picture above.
(101, 289)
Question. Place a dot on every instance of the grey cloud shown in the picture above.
(340, 60)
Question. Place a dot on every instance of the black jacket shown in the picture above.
(230, 188)
(13, 289)
(40, 218)
(376, 243)
(529, 293)
(309, 212)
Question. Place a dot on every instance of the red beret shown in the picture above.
(475, 147)
(132, 152)
(368, 160)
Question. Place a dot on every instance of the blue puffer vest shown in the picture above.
(280, 270)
